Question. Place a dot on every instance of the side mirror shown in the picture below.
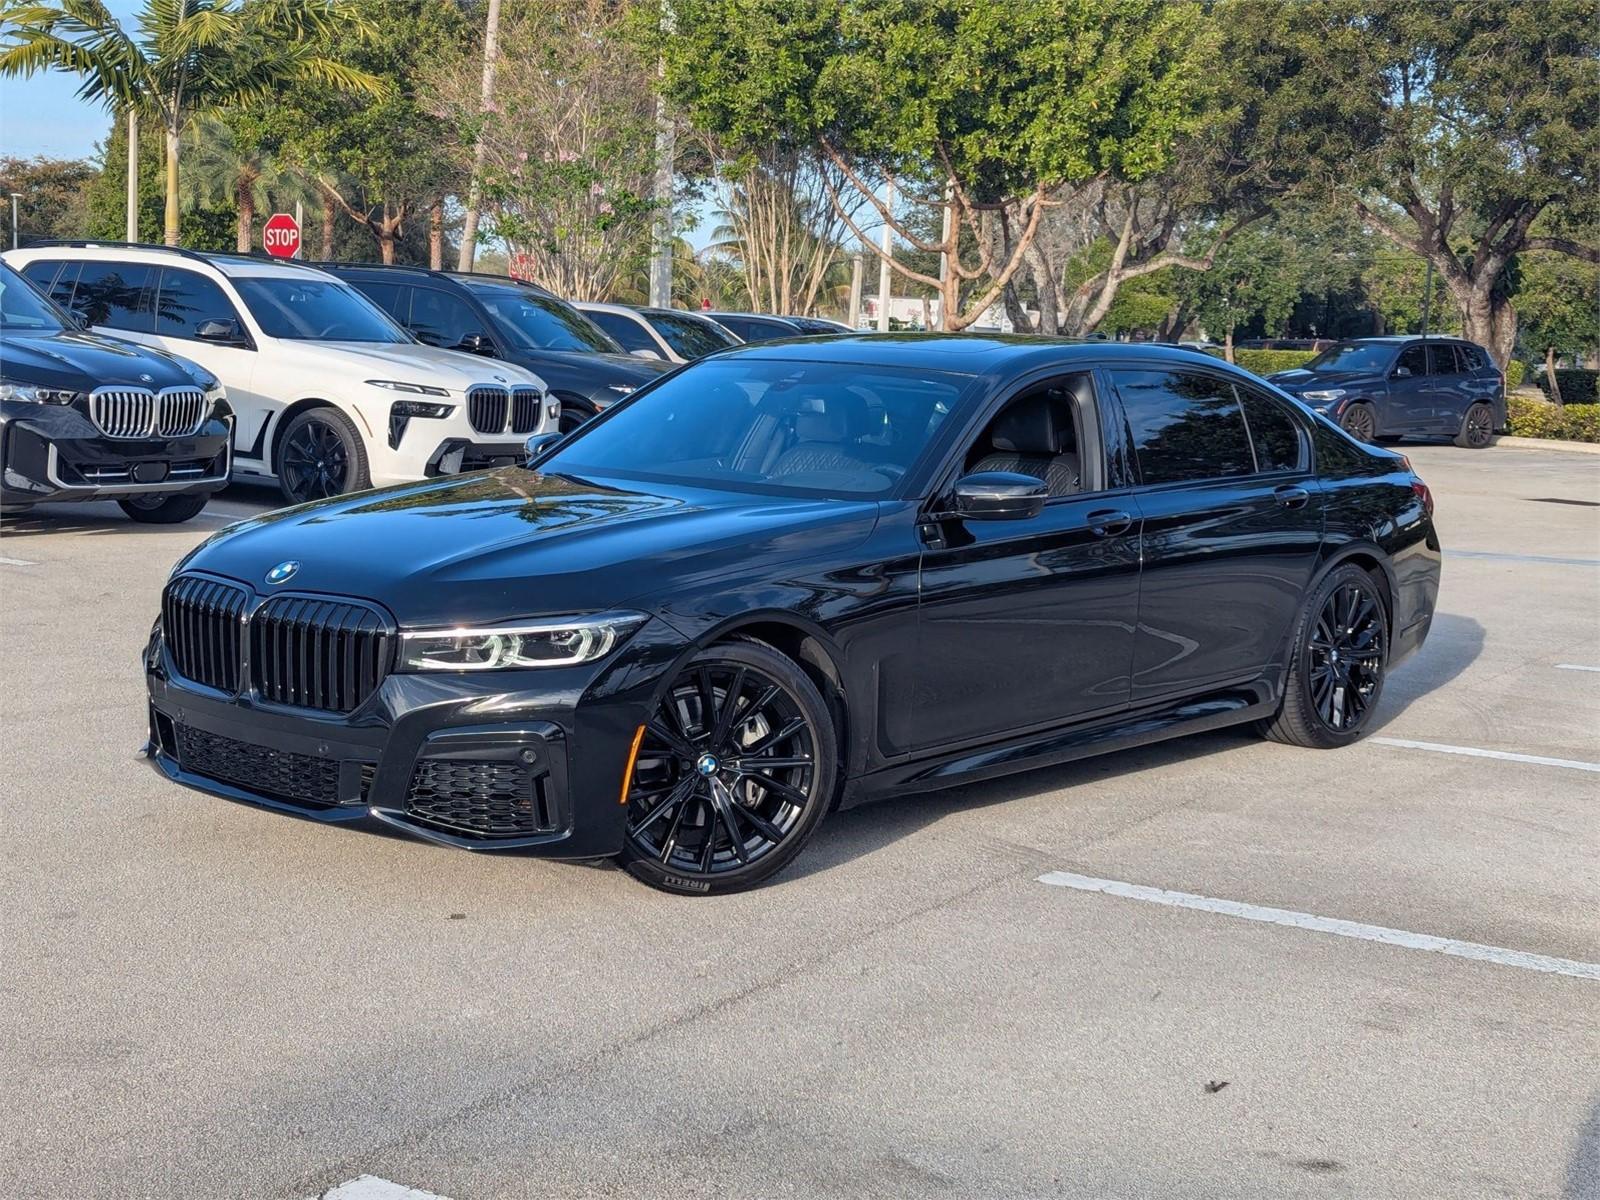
(998, 496)
(427, 337)
(1400, 373)
(225, 332)
(651, 354)
(475, 343)
(539, 445)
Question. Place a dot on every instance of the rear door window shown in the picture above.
(185, 300)
(1185, 426)
(117, 295)
(629, 334)
(1444, 360)
(393, 298)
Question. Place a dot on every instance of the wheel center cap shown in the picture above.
(707, 764)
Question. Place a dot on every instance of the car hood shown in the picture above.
(85, 361)
(507, 544)
(589, 373)
(412, 362)
(1299, 379)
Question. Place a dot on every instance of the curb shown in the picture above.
(1527, 443)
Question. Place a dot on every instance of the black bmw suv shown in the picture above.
(85, 417)
(506, 318)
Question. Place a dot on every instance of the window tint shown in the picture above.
(1443, 360)
(185, 300)
(441, 319)
(390, 297)
(689, 336)
(1413, 359)
(23, 310)
(630, 335)
(534, 321)
(1184, 426)
(311, 309)
(43, 276)
(1274, 434)
(117, 295)
(753, 330)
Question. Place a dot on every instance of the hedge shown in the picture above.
(1565, 422)
(1516, 372)
(1578, 386)
(1267, 362)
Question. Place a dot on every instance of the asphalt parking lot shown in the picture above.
(203, 1000)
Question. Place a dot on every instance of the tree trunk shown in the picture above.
(1227, 344)
(1044, 283)
(132, 234)
(386, 243)
(244, 199)
(1020, 321)
(171, 230)
(436, 235)
(1550, 374)
(491, 53)
(330, 215)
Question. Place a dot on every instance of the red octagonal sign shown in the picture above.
(280, 236)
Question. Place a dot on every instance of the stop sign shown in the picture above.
(280, 236)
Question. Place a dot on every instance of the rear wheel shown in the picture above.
(1336, 673)
(1477, 427)
(735, 772)
(321, 455)
(1360, 421)
(163, 510)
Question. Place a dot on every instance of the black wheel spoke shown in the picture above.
(671, 740)
(670, 842)
(748, 764)
(730, 706)
(778, 738)
(676, 796)
(708, 852)
(778, 788)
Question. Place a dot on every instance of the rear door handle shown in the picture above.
(1291, 496)
(1107, 522)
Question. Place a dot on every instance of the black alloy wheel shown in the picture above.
(321, 456)
(1477, 427)
(1340, 654)
(1360, 422)
(734, 772)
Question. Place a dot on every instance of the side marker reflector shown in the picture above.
(633, 756)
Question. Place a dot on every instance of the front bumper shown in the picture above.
(50, 453)
(528, 762)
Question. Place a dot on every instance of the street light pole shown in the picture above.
(15, 196)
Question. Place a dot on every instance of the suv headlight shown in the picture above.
(415, 389)
(35, 394)
(557, 642)
(1323, 397)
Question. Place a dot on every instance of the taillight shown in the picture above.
(1423, 494)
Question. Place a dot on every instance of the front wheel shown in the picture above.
(735, 771)
(163, 510)
(1477, 427)
(1336, 672)
(1360, 421)
(322, 455)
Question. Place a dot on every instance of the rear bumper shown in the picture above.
(55, 454)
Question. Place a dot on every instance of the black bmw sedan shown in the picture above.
(85, 417)
(795, 576)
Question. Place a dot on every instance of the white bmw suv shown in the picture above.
(329, 394)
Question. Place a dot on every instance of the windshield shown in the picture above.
(1353, 356)
(315, 310)
(771, 425)
(534, 322)
(690, 337)
(23, 310)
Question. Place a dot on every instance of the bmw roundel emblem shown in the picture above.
(283, 572)
(146, 378)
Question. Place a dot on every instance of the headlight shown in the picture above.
(401, 412)
(558, 642)
(1327, 397)
(35, 394)
(416, 389)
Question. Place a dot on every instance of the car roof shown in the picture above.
(472, 281)
(963, 353)
(773, 317)
(598, 306)
(232, 265)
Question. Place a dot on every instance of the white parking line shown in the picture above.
(1349, 929)
(370, 1187)
(1574, 667)
(1539, 760)
(17, 562)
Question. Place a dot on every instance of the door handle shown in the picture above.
(1107, 522)
(1291, 496)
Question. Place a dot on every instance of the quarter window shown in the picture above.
(117, 296)
(1274, 434)
(187, 299)
(1184, 426)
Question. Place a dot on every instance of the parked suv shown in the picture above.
(662, 333)
(1391, 387)
(84, 417)
(329, 394)
(584, 369)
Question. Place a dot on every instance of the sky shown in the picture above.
(43, 115)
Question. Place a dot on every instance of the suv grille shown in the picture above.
(479, 798)
(525, 404)
(314, 653)
(141, 413)
(487, 408)
(201, 622)
(299, 778)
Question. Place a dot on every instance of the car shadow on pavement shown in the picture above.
(1453, 645)
(57, 522)
(1583, 1171)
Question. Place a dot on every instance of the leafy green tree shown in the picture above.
(1451, 128)
(1253, 276)
(205, 225)
(185, 57)
(1559, 301)
(985, 106)
(54, 194)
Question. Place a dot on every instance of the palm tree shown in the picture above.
(224, 161)
(186, 57)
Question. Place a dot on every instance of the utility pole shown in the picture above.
(855, 289)
(132, 233)
(15, 196)
(469, 228)
(883, 263)
(666, 148)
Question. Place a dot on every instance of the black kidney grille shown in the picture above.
(487, 409)
(297, 778)
(317, 653)
(525, 410)
(200, 622)
(479, 798)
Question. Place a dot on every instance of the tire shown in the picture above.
(573, 414)
(1390, 439)
(1327, 661)
(1360, 421)
(320, 454)
(703, 815)
(164, 510)
(1477, 427)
